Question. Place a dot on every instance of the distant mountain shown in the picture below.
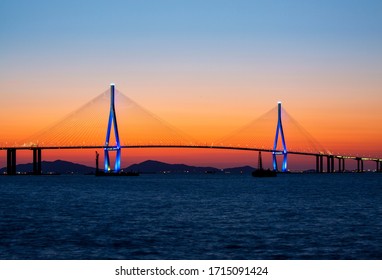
(152, 166)
(149, 166)
(58, 166)
(242, 169)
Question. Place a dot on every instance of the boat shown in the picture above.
(261, 172)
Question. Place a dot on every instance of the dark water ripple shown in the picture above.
(209, 216)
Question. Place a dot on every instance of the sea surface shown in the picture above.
(191, 216)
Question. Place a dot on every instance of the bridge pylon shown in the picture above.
(284, 152)
(117, 147)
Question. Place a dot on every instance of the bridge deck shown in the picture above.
(188, 147)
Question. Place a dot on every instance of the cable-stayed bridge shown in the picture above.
(113, 122)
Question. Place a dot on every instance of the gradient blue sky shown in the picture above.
(198, 60)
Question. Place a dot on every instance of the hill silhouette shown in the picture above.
(57, 166)
(148, 166)
(152, 166)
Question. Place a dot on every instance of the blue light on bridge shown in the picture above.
(117, 148)
(279, 129)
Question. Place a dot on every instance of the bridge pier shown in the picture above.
(37, 161)
(341, 164)
(319, 164)
(11, 161)
(379, 166)
(359, 164)
(328, 164)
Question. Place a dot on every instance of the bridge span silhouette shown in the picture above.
(112, 127)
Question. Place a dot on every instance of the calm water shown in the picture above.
(209, 216)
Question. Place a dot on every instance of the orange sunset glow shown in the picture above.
(184, 82)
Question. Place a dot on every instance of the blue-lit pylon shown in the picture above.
(284, 152)
(117, 147)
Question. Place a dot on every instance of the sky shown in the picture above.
(207, 67)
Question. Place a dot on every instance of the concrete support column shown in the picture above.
(339, 165)
(34, 161)
(317, 164)
(11, 161)
(321, 164)
(14, 162)
(359, 164)
(39, 170)
(37, 161)
(328, 164)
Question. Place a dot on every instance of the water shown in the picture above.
(207, 216)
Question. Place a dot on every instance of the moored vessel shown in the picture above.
(261, 172)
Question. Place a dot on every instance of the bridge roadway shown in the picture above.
(11, 155)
